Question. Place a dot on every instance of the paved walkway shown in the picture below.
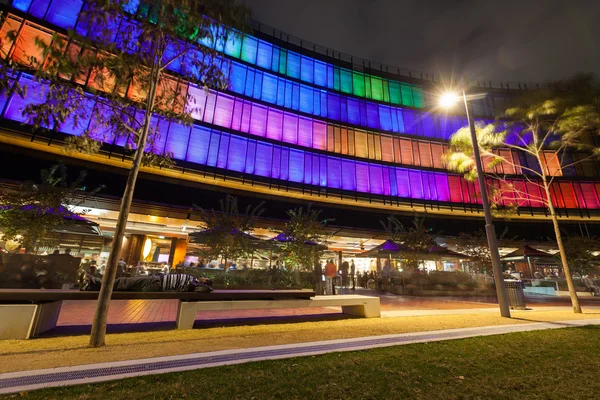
(31, 380)
(127, 315)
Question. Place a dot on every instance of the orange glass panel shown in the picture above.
(438, 155)
(11, 25)
(26, 51)
(360, 140)
(425, 154)
(387, 149)
(406, 151)
(330, 144)
(551, 163)
(344, 135)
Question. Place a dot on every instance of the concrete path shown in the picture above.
(93, 373)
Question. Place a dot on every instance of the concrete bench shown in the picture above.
(355, 305)
(28, 313)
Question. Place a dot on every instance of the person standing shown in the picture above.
(353, 274)
(121, 267)
(345, 269)
(330, 277)
(318, 278)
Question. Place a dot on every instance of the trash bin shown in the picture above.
(516, 294)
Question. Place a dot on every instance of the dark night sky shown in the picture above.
(509, 40)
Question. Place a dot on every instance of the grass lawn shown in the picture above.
(19, 355)
(557, 364)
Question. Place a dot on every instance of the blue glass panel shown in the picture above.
(306, 99)
(353, 111)
(276, 163)
(223, 150)
(372, 115)
(22, 5)
(250, 156)
(264, 153)
(177, 140)
(285, 164)
(237, 78)
(334, 172)
(428, 126)
(280, 92)
(131, 6)
(82, 124)
(16, 105)
(198, 148)
(320, 77)
(409, 122)
(38, 8)
(323, 171)
(258, 79)
(269, 88)
(170, 53)
(264, 56)
(293, 65)
(275, 59)
(296, 166)
(249, 82)
(307, 70)
(295, 96)
(385, 119)
(333, 106)
(316, 168)
(213, 149)
(64, 13)
(289, 90)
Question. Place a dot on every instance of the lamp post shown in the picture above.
(448, 100)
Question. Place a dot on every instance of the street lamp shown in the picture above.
(447, 100)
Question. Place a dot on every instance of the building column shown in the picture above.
(177, 252)
(132, 249)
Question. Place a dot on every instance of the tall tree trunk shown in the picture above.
(561, 249)
(97, 337)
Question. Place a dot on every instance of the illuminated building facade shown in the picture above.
(306, 123)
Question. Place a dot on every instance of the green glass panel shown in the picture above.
(407, 98)
(233, 47)
(368, 93)
(419, 97)
(376, 88)
(358, 81)
(336, 78)
(395, 96)
(386, 91)
(345, 81)
(282, 61)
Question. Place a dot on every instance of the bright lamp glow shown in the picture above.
(448, 100)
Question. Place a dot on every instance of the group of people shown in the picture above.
(347, 273)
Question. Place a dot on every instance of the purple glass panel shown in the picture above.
(416, 186)
(258, 121)
(223, 150)
(402, 182)
(305, 132)
(213, 149)
(246, 115)
(285, 164)
(177, 140)
(290, 128)
(348, 175)
(224, 111)
(353, 111)
(362, 177)
(441, 183)
(316, 168)
(375, 182)
(385, 171)
(274, 124)
(334, 172)
(333, 106)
